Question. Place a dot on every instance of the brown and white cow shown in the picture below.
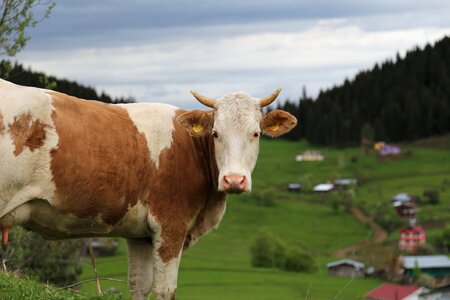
(154, 174)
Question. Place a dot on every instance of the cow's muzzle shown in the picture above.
(234, 183)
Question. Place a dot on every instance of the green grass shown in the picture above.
(13, 288)
(218, 267)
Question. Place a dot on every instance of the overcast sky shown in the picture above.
(157, 50)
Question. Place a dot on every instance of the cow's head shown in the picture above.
(236, 124)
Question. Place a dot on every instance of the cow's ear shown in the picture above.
(277, 122)
(197, 122)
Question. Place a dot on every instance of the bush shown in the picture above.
(57, 262)
(264, 199)
(299, 261)
(432, 196)
(267, 251)
(424, 249)
(442, 241)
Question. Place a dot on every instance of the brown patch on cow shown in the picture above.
(277, 122)
(186, 180)
(27, 133)
(102, 165)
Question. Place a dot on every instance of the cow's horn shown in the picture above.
(269, 99)
(210, 102)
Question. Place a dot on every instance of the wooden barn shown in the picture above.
(346, 268)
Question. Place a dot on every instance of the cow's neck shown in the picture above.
(205, 145)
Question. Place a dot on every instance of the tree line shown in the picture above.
(403, 99)
(18, 74)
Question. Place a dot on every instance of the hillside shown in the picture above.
(401, 99)
(218, 266)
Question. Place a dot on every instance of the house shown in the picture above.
(437, 266)
(389, 291)
(387, 150)
(440, 293)
(345, 182)
(294, 187)
(405, 209)
(346, 268)
(411, 237)
(310, 155)
(323, 187)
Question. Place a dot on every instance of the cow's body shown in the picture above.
(76, 168)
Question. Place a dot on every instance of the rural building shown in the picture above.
(437, 266)
(294, 187)
(309, 155)
(386, 149)
(323, 187)
(441, 293)
(345, 182)
(411, 237)
(389, 291)
(346, 268)
(405, 209)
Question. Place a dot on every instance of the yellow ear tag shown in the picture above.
(275, 127)
(197, 128)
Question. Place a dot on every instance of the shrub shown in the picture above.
(426, 280)
(299, 261)
(442, 241)
(267, 251)
(432, 196)
(57, 262)
(424, 249)
(265, 199)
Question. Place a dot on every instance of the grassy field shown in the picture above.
(218, 267)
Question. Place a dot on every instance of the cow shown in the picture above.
(154, 174)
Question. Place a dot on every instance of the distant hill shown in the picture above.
(16, 73)
(403, 99)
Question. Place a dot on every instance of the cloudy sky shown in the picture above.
(157, 50)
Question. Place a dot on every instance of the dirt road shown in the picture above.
(379, 235)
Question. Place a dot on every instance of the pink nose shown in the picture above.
(234, 183)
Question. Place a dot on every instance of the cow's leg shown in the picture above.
(140, 268)
(166, 260)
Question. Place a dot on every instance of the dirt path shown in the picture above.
(379, 235)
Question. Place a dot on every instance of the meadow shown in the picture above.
(218, 266)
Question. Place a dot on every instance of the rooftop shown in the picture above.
(351, 262)
(427, 261)
(323, 187)
(388, 291)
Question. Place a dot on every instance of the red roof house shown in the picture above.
(388, 291)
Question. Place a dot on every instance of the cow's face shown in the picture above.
(236, 124)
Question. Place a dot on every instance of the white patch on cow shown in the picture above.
(25, 176)
(165, 276)
(155, 121)
(237, 119)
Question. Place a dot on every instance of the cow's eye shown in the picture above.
(256, 134)
(215, 135)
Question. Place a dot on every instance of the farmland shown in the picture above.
(218, 267)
